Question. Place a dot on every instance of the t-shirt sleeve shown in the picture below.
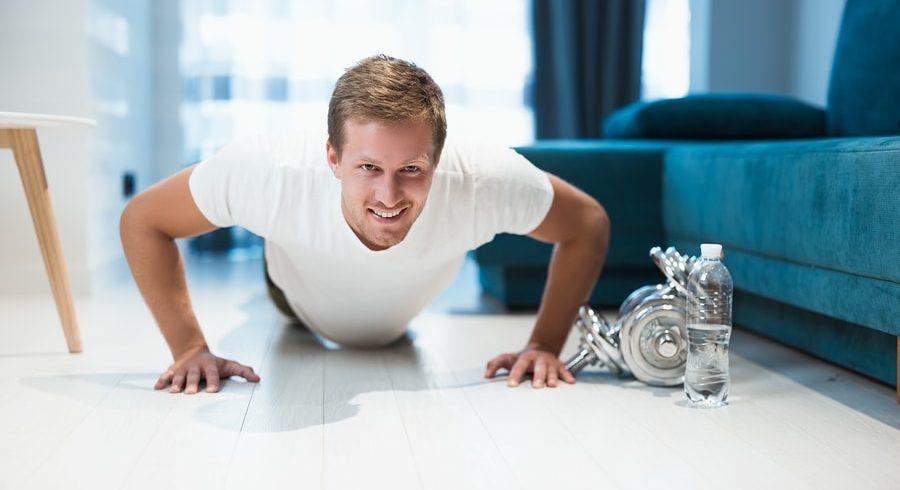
(512, 195)
(239, 185)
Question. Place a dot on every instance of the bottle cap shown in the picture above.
(711, 250)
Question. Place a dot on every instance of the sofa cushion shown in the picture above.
(864, 90)
(829, 203)
(717, 116)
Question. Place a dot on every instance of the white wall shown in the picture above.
(87, 58)
(773, 46)
(44, 58)
(747, 46)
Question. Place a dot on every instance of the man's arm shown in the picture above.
(148, 227)
(579, 228)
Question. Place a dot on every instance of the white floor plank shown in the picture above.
(450, 444)
(280, 443)
(194, 444)
(365, 441)
(538, 447)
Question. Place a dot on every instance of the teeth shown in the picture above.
(386, 215)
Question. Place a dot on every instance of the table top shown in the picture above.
(25, 120)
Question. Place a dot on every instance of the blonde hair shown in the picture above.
(386, 89)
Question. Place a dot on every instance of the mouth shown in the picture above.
(392, 219)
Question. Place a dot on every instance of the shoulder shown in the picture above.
(478, 156)
(293, 147)
(491, 162)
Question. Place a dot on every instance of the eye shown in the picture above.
(365, 165)
(413, 169)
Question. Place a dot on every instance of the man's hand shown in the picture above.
(197, 363)
(544, 365)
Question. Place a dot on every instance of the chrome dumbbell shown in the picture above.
(649, 340)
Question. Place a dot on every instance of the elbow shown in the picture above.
(128, 216)
(126, 223)
(125, 217)
(599, 224)
(132, 221)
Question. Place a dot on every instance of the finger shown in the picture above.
(540, 373)
(164, 379)
(193, 380)
(212, 378)
(248, 374)
(552, 377)
(233, 368)
(566, 374)
(519, 368)
(492, 366)
(503, 361)
(177, 381)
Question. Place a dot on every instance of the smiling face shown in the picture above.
(384, 169)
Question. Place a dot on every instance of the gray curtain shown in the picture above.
(587, 62)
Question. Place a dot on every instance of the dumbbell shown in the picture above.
(649, 339)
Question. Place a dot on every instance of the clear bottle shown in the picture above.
(706, 378)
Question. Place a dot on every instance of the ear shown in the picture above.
(332, 157)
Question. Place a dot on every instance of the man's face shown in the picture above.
(385, 168)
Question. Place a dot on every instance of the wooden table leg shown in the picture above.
(27, 154)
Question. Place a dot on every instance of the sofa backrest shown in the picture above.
(864, 89)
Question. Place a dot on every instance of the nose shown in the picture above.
(388, 192)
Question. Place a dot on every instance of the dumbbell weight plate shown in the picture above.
(654, 343)
(637, 296)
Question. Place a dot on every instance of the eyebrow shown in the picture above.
(414, 159)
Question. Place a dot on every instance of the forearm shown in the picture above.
(158, 271)
(573, 271)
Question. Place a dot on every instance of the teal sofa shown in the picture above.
(805, 200)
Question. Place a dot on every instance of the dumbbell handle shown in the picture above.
(580, 360)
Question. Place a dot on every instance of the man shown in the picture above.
(360, 239)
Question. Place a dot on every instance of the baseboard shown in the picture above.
(84, 281)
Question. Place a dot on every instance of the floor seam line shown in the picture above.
(490, 435)
(402, 422)
(556, 416)
(147, 445)
(237, 439)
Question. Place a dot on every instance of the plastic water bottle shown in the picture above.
(706, 379)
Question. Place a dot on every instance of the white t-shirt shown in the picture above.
(279, 186)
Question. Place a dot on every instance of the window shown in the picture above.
(665, 69)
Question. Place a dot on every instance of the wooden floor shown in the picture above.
(415, 415)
